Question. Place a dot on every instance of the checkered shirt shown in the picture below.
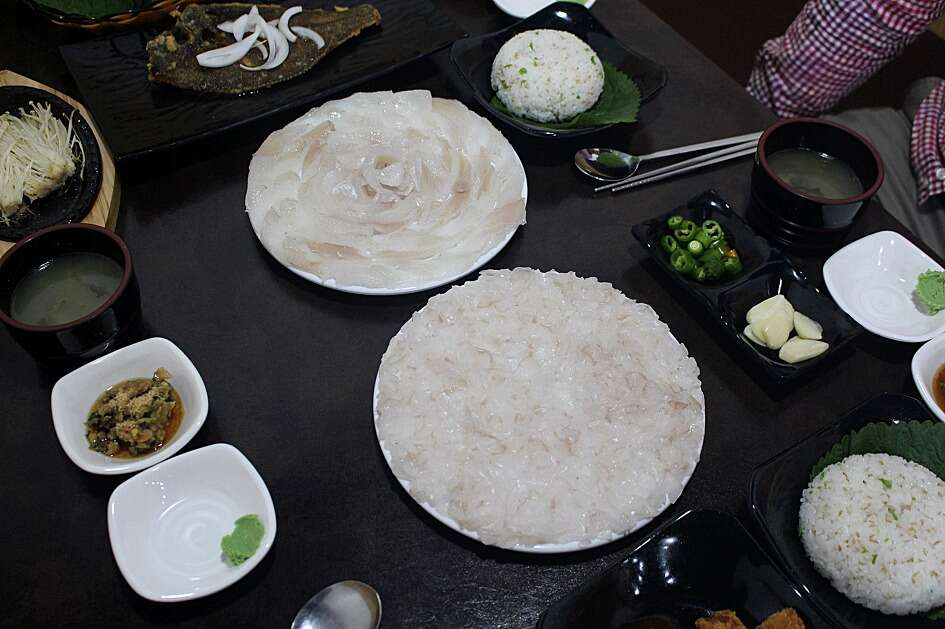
(834, 46)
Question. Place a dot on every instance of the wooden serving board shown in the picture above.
(104, 211)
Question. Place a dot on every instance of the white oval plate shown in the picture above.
(527, 8)
(539, 549)
(873, 280)
(362, 290)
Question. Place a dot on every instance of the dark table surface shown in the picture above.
(290, 368)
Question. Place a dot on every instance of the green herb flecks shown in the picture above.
(619, 102)
(873, 560)
(886, 483)
(522, 71)
(892, 512)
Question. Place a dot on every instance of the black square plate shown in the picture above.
(774, 496)
(138, 117)
(767, 272)
(702, 561)
(473, 58)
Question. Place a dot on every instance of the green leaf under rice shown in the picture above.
(619, 102)
(919, 442)
(95, 8)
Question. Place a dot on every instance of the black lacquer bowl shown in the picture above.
(73, 201)
(92, 335)
(767, 272)
(702, 561)
(473, 58)
(774, 496)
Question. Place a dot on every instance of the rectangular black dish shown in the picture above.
(473, 58)
(774, 497)
(767, 272)
(138, 117)
(703, 561)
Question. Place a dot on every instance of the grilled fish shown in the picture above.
(172, 55)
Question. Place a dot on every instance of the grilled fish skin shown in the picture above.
(172, 55)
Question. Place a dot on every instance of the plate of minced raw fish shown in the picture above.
(539, 412)
(386, 193)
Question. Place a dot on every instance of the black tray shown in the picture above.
(774, 496)
(72, 202)
(767, 272)
(702, 561)
(138, 117)
(473, 58)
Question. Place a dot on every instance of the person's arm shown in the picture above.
(831, 48)
(928, 144)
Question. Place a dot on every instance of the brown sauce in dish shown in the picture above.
(938, 387)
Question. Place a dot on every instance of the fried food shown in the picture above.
(724, 619)
(787, 618)
(172, 55)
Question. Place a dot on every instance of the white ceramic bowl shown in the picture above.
(74, 394)
(166, 523)
(526, 8)
(873, 280)
(925, 364)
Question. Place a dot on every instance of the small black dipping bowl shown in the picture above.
(92, 335)
(799, 219)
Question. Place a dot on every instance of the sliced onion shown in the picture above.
(261, 47)
(284, 22)
(228, 55)
(307, 33)
(226, 27)
(239, 26)
(278, 47)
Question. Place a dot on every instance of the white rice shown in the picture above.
(547, 75)
(874, 524)
(540, 408)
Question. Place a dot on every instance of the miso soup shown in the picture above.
(815, 173)
(66, 288)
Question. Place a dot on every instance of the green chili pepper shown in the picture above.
(714, 230)
(703, 237)
(695, 248)
(669, 244)
(712, 253)
(732, 266)
(720, 245)
(700, 274)
(682, 261)
(675, 221)
(713, 269)
(686, 232)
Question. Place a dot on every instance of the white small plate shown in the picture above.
(74, 394)
(873, 280)
(527, 8)
(166, 523)
(926, 362)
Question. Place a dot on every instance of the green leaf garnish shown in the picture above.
(936, 614)
(618, 102)
(919, 442)
(94, 8)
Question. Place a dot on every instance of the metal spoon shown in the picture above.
(612, 165)
(343, 605)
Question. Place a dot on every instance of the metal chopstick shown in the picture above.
(650, 179)
(701, 146)
(679, 165)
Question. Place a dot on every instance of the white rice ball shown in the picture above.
(874, 525)
(547, 75)
(540, 408)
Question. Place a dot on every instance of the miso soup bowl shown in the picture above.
(87, 337)
(795, 217)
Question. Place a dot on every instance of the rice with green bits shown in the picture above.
(547, 75)
(874, 524)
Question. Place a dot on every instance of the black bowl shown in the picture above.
(701, 562)
(774, 496)
(72, 202)
(795, 217)
(87, 337)
(473, 58)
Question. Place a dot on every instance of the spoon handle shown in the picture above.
(678, 165)
(701, 146)
(651, 179)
